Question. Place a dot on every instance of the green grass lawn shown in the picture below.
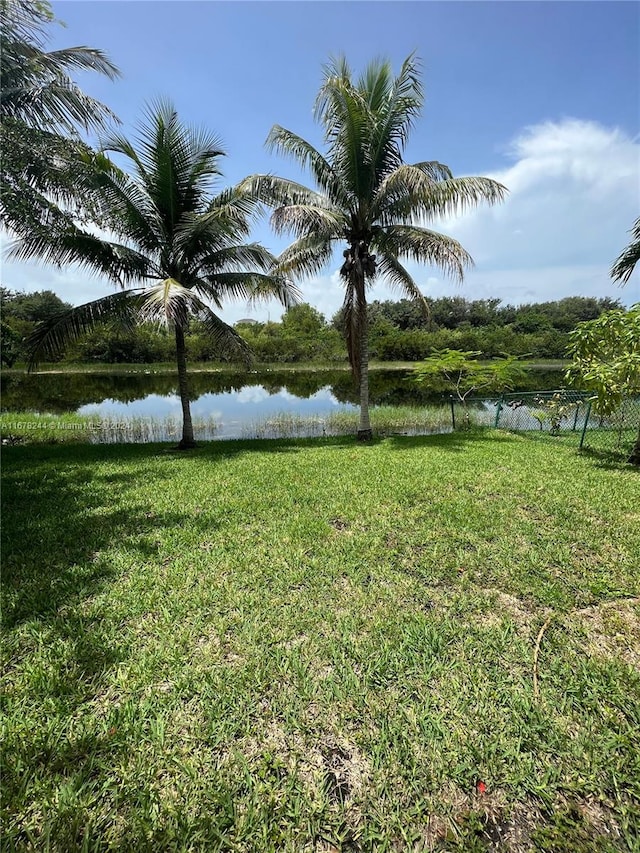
(315, 645)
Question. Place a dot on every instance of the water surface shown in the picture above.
(230, 404)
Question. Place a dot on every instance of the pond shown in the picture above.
(236, 403)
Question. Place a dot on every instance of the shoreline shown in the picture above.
(203, 367)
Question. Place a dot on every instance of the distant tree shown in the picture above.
(565, 314)
(405, 314)
(302, 336)
(449, 312)
(368, 199)
(483, 312)
(626, 262)
(303, 319)
(606, 360)
(531, 321)
(34, 307)
(10, 341)
(20, 313)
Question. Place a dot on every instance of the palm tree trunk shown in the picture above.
(187, 441)
(364, 427)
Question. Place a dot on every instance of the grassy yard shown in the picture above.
(318, 646)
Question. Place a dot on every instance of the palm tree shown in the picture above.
(167, 232)
(367, 197)
(626, 262)
(42, 112)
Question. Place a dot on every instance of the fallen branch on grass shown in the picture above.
(536, 653)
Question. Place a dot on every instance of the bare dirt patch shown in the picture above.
(329, 766)
(511, 606)
(612, 629)
(511, 829)
(346, 770)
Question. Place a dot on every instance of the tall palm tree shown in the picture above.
(626, 262)
(367, 197)
(167, 232)
(42, 112)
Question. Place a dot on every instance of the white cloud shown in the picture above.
(574, 192)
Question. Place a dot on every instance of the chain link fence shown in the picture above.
(615, 435)
(543, 411)
(562, 412)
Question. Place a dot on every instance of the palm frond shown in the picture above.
(168, 303)
(336, 69)
(82, 58)
(423, 246)
(118, 143)
(390, 268)
(39, 158)
(171, 304)
(249, 256)
(35, 85)
(178, 163)
(456, 195)
(51, 337)
(404, 190)
(236, 204)
(226, 220)
(123, 206)
(306, 257)
(294, 146)
(226, 339)
(343, 112)
(274, 191)
(38, 171)
(61, 105)
(376, 83)
(626, 262)
(397, 104)
(250, 287)
(71, 245)
(42, 112)
(25, 209)
(301, 219)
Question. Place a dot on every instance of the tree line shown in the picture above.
(398, 331)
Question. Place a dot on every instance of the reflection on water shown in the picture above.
(223, 403)
(229, 411)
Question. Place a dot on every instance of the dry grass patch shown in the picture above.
(612, 630)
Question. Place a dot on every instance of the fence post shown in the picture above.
(586, 421)
(575, 420)
(453, 414)
(498, 410)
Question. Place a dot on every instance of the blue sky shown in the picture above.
(544, 96)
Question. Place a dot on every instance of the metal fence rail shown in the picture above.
(555, 412)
